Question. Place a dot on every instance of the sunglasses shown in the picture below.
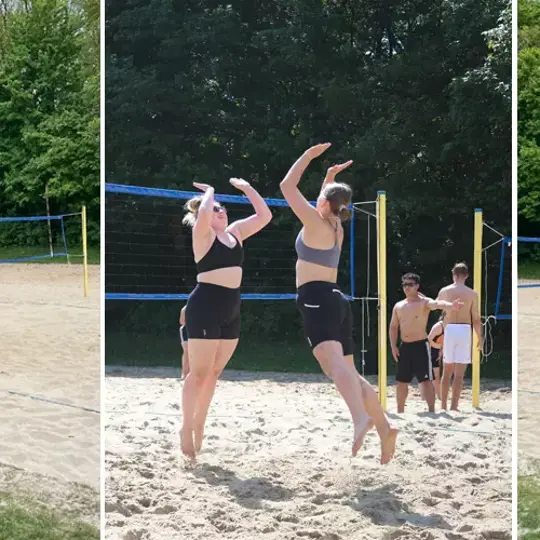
(408, 284)
(219, 209)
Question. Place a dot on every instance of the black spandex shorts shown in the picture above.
(213, 312)
(327, 314)
(435, 354)
(183, 334)
(414, 361)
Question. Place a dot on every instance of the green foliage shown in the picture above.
(529, 507)
(49, 113)
(529, 119)
(26, 520)
(416, 92)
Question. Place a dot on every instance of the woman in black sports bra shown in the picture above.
(325, 311)
(213, 308)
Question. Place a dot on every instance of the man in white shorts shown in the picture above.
(457, 347)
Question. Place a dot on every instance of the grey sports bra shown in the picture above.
(323, 257)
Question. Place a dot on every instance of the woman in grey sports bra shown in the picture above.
(325, 310)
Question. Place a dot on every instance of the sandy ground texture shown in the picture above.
(276, 465)
(49, 376)
(528, 376)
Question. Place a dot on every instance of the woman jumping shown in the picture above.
(326, 312)
(213, 308)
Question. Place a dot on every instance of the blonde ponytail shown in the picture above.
(192, 210)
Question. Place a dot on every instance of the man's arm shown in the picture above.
(394, 332)
(442, 304)
(476, 320)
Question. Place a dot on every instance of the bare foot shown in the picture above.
(198, 435)
(388, 446)
(360, 431)
(186, 443)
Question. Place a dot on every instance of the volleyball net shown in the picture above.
(40, 238)
(492, 261)
(149, 254)
(529, 262)
(149, 257)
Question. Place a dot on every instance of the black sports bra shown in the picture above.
(221, 256)
(438, 338)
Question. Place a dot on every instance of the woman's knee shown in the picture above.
(338, 369)
(200, 374)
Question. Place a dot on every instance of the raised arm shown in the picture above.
(476, 320)
(289, 185)
(332, 172)
(443, 304)
(203, 223)
(244, 228)
(393, 333)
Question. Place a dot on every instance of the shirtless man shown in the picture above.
(409, 319)
(457, 346)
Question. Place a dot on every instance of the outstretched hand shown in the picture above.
(457, 304)
(202, 187)
(317, 150)
(239, 183)
(336, 169)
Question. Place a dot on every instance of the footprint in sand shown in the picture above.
(145, 502)
(165, 509)
(441, 494)
(111, 507)
(496, 535)
(134, 534)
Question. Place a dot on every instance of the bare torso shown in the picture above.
(225, 277)
(322, 236)
(467, 295)
(413, 318)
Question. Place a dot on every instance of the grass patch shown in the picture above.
(17, 252)
(529, 507)
(529, 270)
(26, 521)
(146, 350)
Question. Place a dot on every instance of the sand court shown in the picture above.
(528, 374)
(49, 375)
(276, 464)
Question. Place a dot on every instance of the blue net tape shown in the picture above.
(175, 194)
(530, 240)
(32, 218)
(33, 258)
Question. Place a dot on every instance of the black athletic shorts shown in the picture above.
(435, 355)
(183, 334)
(213, 312)
(414, 361)
(326, 313)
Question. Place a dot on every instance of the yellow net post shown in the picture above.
(381, 272)
(85, 251)
(478, 229)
